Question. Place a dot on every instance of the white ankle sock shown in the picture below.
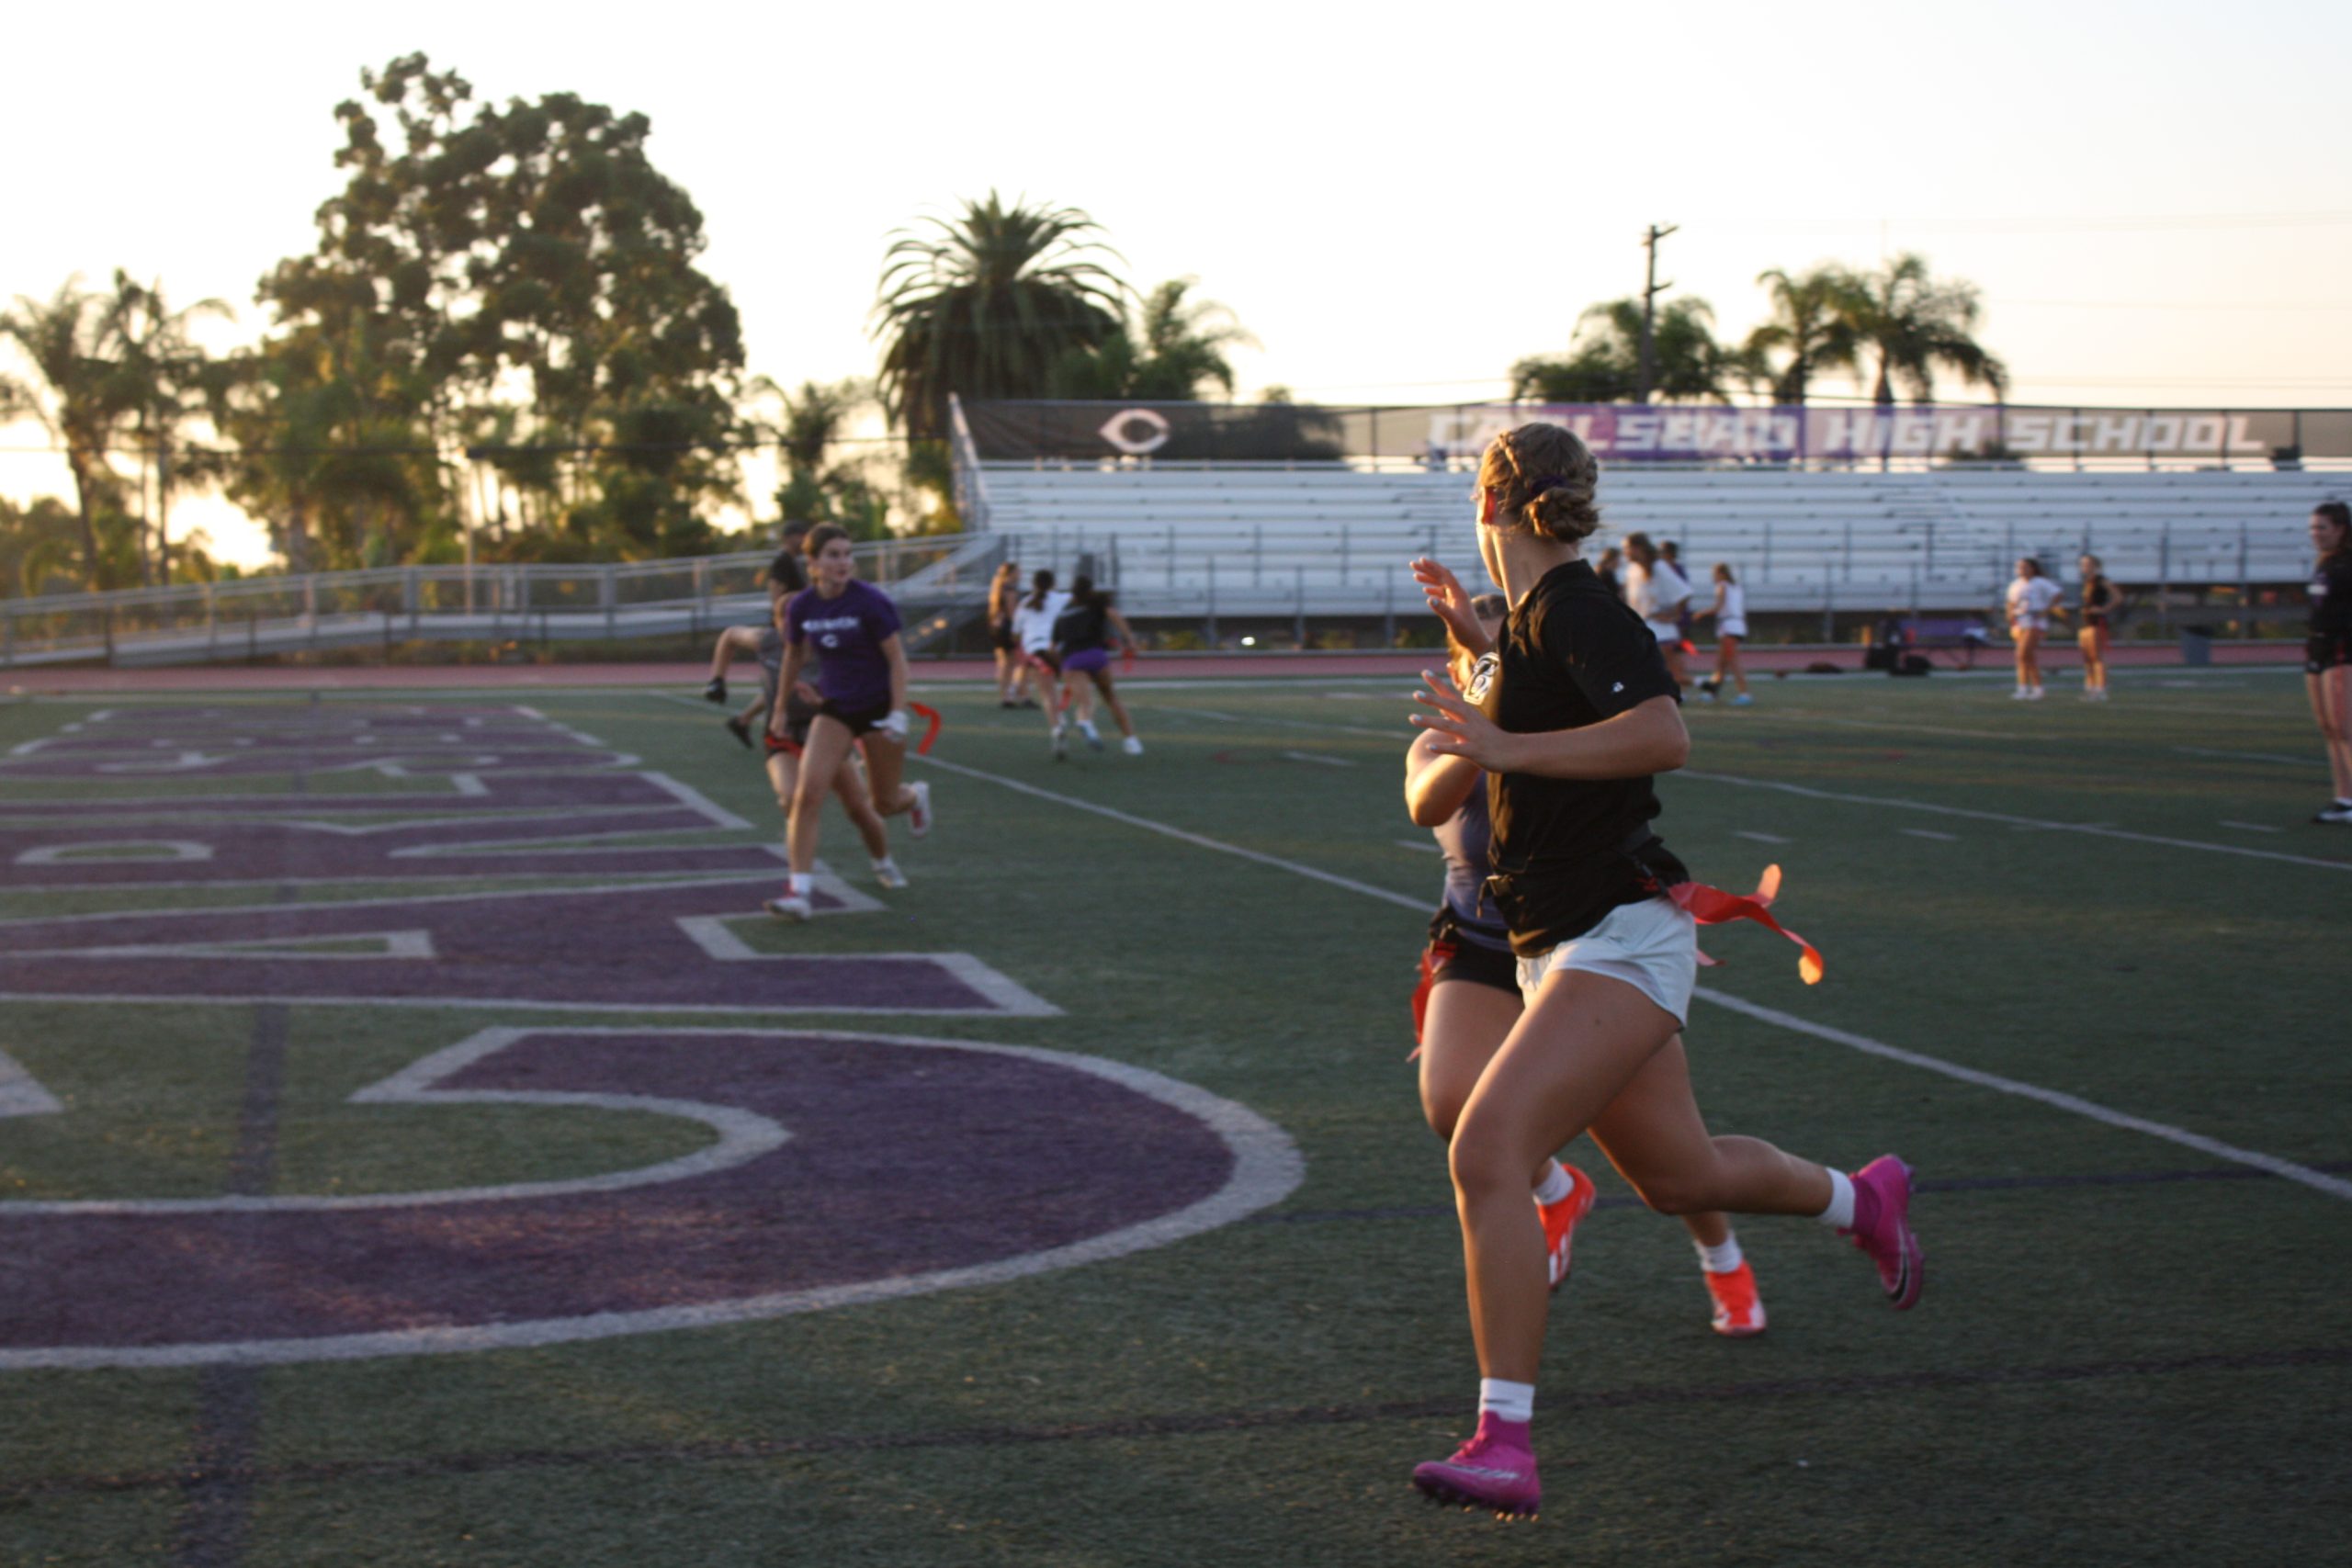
(884, 862)
(1723, 1259)
(796, 884)
(1839, 1215)
(1511, 1401)
(1556, 1184)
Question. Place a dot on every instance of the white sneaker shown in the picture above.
(1061, 743)
(2033, 693)
(1094, 735)
(887, 873)
(2020, 694)
(791, 907)
(2337, 811)
(919, 814)
(1131, 746)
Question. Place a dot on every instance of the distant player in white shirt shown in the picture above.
(1658, 592)
(1033, 627)
(1730, 612)
(2032, 600)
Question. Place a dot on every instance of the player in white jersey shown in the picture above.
(1730, 613)
(2032, 599)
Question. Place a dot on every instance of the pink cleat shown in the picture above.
(1882, 1229)
(1496, 1469)
(1560, 1222)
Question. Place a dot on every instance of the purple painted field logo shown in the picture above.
(845, 1168)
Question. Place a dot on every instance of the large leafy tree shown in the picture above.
(1603, 361)
(1173, 351)
(986, 305)
(1913, 324)
(521, 280)
(1814, 329)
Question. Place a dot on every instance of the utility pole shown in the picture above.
(1651, 288)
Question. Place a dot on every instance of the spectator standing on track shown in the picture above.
(1004, 594)
(2101, 600)
(863, 686)
(1082, 647)
(1658, 593)
(1730, 613)
(2032, 599)
(2327, 651)
(1469, 1000)
(1575, 713)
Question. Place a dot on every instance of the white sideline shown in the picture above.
(2334, 1186)
(2096, 829)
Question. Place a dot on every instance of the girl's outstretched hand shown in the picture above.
(1456, 728)
(1451, 602)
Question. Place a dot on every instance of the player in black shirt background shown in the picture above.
(2327, 652)
(1570, 715)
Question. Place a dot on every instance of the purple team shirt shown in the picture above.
(847, 632)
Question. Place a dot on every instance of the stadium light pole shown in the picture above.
(1651, 288)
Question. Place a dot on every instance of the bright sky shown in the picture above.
(2155, 199)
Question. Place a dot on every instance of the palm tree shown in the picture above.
(80, 399)
(1814, 323)
(1915, 324)
(1170, 353)
(987, 306)
(1604, 364)
(164, 370)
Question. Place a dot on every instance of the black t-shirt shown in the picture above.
(2331, 596)
(2099, 600)
(1079, 627)
(1568, 851)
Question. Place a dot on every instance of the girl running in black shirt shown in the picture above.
(2327, 652)
(1570, 716)
(2102, 598)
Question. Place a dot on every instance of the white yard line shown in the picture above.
(2334, 1186)
(1929, 833)
(2096, 829)
(1759, 838)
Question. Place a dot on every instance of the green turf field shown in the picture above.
(2082, 963)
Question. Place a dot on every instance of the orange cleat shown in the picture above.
(1560, 1222)
(1739, 1311)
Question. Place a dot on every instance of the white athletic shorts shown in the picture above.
(2032, 622)
(1731, 628)
(1666, 631)
(1653, 946)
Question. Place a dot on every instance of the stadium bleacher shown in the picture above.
(1331, 540)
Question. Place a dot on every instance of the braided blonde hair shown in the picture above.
(1543, 478)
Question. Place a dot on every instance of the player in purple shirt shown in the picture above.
(853, 629)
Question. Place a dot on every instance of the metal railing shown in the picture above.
(252, 616)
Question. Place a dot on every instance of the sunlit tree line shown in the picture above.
(504, 341)
(1893, 330)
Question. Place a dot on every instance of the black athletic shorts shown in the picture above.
(1462, 960)
(860, 720)
(1001, 639)
(2326, 652)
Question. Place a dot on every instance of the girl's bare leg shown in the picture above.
(1572, 1053)
(885, 763)
(1655, 1136)
(2331, 695)
(849, 785)
(1119, 711)
(829, 744)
